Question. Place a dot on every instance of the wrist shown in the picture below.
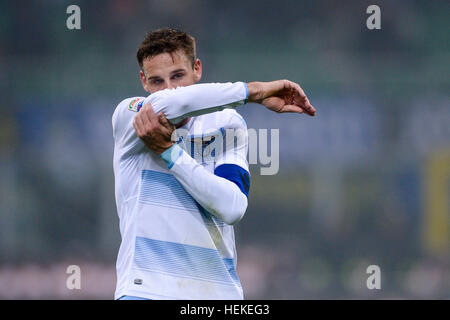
(255, 91)
(170, 155)
(160, 150)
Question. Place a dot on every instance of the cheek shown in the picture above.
(185, 81)
(153, 88)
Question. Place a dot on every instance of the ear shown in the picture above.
(144, 81)
(197, 70)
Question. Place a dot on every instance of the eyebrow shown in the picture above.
(178, 70)
(154, 78)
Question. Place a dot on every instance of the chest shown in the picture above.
(205, 148)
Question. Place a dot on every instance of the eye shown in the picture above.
(177, 75)
(157, 81)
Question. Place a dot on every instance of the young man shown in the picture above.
(177, 201)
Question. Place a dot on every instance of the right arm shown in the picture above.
(279, 96)
(197, 99)
(194, 100)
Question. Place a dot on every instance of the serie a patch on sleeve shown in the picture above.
(136, 104)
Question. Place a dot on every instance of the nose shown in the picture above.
(170, 85)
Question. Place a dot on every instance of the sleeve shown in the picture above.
(235, 174)
(232, 164)
(125, 137)
(235, 144)
(220, 196)
(224, 193)
(176, 104)
(198, 99)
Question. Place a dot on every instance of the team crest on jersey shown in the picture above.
(136, 104)
(202, 146)
(206, 148)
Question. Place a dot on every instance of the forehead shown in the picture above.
(164, 63)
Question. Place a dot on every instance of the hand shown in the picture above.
(281, 96)
(154, 130)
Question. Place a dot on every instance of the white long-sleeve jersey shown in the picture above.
(176, 210)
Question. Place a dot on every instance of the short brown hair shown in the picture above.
(166, 40)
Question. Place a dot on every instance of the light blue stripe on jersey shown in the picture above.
(246, 92)
(232, 269)
(163, 189)
(132, 298)
(184, 260)
(171, 155)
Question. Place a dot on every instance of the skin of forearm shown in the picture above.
(258, 91)
(255, 91)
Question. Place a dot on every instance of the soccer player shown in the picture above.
(178, 200)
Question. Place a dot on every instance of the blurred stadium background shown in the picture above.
(365, 182)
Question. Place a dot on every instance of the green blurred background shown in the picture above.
(365, 182)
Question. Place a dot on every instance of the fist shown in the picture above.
(154, 130)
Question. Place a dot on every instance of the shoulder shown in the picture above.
(125, 111)
(234, 119)
(131, 105)
(235, 139)
(225, 119)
